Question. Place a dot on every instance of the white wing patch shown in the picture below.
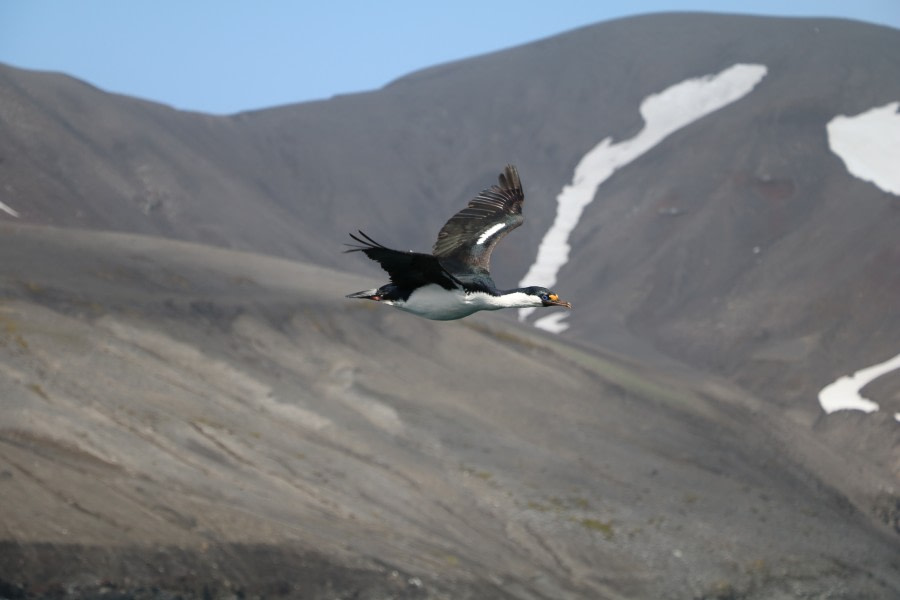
(484, 236)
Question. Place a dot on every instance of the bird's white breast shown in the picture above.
(434, 302)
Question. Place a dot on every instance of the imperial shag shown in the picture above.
(454, 281)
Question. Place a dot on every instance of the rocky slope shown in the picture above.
(190, 418)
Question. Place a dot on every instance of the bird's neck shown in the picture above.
(517, 298)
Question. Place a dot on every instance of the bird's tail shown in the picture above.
(363, 243)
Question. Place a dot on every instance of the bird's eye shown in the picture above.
(544, 297)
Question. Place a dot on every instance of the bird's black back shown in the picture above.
(407, 270)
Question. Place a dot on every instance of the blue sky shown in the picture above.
(226, 56)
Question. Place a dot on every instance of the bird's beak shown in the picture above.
(555, 301)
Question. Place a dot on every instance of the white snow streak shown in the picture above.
(844, 394)
(7, 209)
(663, 113)
(869, 145)
(552, 322)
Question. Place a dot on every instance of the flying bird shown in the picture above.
(454, 281)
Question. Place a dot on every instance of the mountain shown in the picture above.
(186, 390)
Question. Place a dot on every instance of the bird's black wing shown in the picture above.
(471, 234)
(406, 269)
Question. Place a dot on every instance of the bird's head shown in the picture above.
(546, 297)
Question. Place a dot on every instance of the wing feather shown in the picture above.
(470, 235)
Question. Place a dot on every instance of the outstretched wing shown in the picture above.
(406, 269)
(471, 234)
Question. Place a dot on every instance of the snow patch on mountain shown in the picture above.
(844, 394)
(7, 209)
(552, 322)
(663, 114)
(869, 145)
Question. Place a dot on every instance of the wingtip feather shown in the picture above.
(509, 178)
